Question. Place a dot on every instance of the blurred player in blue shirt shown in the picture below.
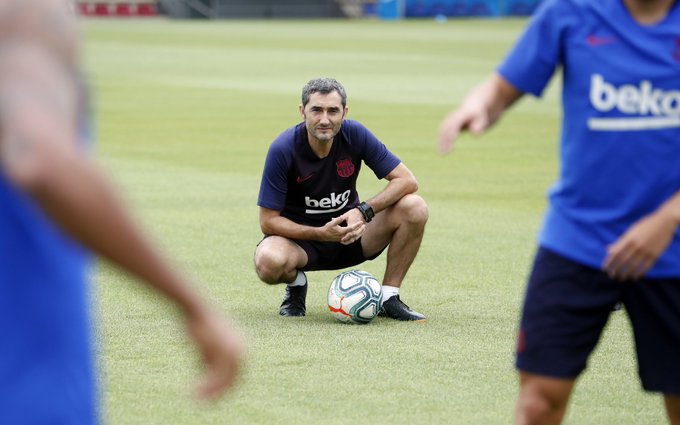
(610, 233)
(54, 205)
(310, 211)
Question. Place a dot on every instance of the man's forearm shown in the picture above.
(395, 190)
(281, 226)
(672, 208)
(80, 200)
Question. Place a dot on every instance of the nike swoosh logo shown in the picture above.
(592, 40)
(304, 179)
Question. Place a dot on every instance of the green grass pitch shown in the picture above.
(185, 112)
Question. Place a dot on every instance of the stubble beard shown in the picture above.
(324, 137)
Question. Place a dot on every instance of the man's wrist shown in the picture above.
(366, 211)
(672, 209)
(673, 212)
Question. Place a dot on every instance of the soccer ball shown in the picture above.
(355, 297)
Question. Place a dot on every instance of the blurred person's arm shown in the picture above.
(481, 108)
(39, 155)
(638, 249)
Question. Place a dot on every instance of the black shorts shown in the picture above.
(567, 305)
(333, 255)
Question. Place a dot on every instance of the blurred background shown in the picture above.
(258, 9)
(188, 95)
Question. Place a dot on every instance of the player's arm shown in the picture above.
(38, 154)
(638, 249)
(400, 182)
(481, 108)
(272, 223)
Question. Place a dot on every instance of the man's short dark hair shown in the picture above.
(323, 86)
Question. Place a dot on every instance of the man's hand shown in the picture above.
(354, 220)
(354, 227)
(637, 250)
(471, 116)
(481, 108)
(221, 349)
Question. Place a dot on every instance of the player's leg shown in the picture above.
(653, 306)
(542, 400)
(565, 309)
(278, 259)
(673, 408)
(402, 227)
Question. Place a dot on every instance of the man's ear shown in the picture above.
(345, 112)
(302, 111)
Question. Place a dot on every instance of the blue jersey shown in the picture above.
(620, 136)
(310, 190)
(46, 371)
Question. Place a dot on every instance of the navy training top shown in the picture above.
(310, 190)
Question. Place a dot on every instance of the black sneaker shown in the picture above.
(394, 308)
(293, 304)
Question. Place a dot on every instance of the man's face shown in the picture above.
(323, 115)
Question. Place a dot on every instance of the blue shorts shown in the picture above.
(567, 305)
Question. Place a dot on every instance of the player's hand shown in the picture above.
(637, 250)
(471, 117)
(334, 231)
(481, 108)
(221, 348)
(354, 220)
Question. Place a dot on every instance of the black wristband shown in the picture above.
(367, 211)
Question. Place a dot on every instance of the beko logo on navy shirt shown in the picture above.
(330, 204)
(649, 108)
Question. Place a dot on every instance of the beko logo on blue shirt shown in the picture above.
(330, 204)
(647, 107)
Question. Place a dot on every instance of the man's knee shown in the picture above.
(270, 265)
(413, 209)
(535, 409)
(542, 400)
(673, 408)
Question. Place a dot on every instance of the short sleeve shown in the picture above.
(274, 184)
(532, 60)
(374, 153)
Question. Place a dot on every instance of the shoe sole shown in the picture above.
(407, 320)
(291, 315)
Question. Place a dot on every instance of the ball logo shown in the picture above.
(651, 107)
(330, 204)
(345, 167)
(339, 310)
